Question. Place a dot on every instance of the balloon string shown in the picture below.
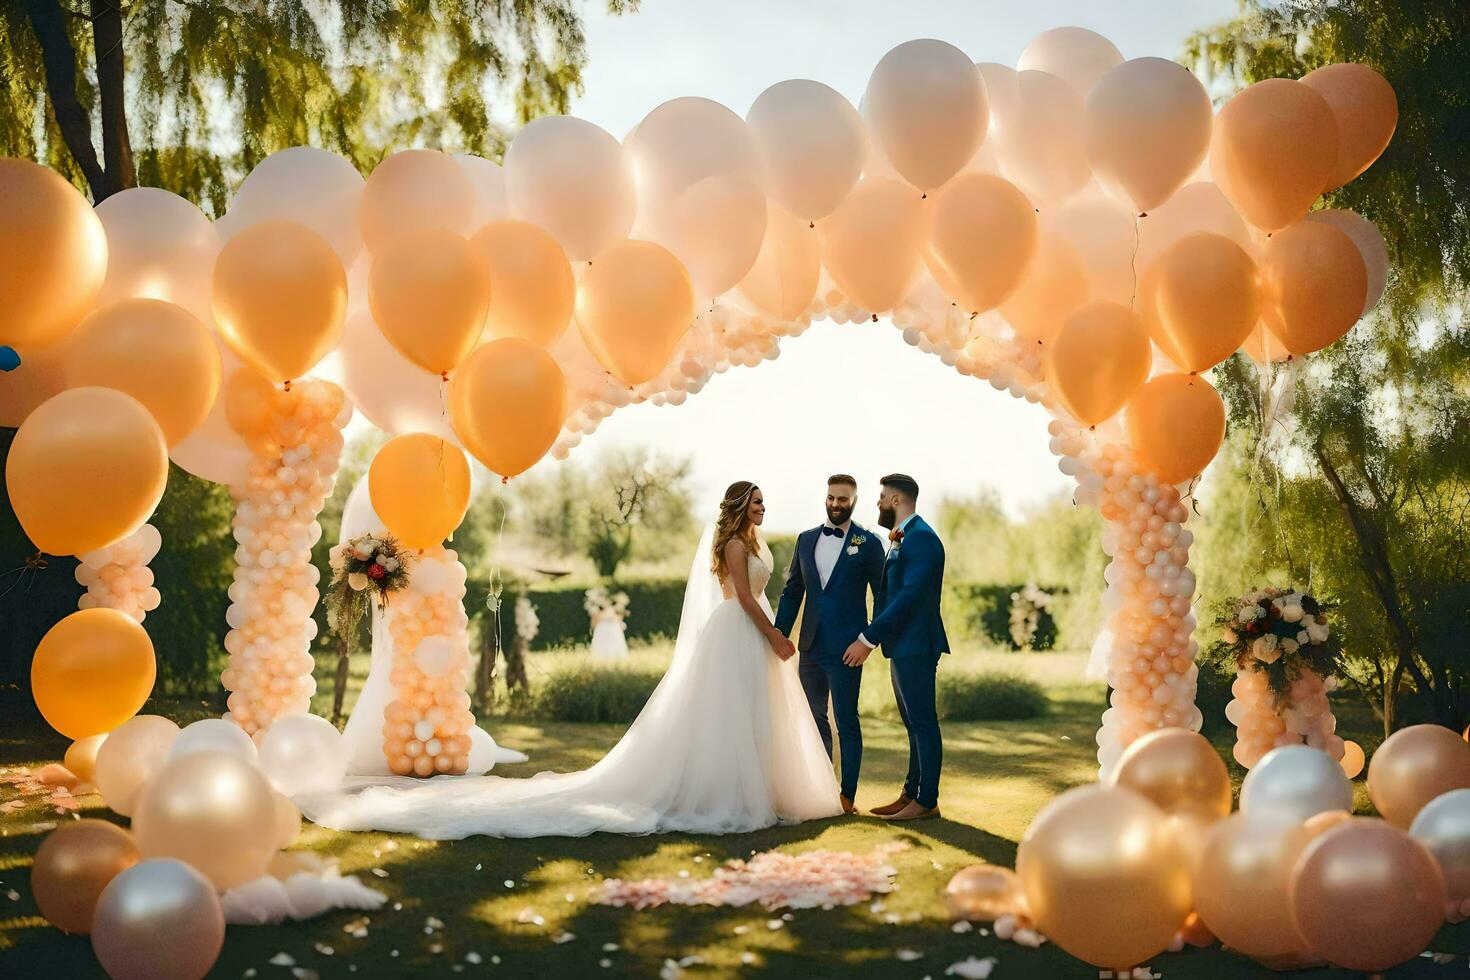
(1133, 263)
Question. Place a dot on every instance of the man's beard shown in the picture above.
(839, 515)
(887, 517)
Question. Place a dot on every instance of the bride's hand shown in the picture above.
(782, 646)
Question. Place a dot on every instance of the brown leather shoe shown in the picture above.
(892, 808)
(848, 806)
(914, 811)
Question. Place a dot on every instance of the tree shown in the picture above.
(1365, 492)
(635, 489)
(189, 96)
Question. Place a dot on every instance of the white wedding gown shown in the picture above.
(726, 744)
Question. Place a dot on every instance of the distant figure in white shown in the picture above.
(726, 743)
(608, 615)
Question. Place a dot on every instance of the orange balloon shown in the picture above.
(92, 671)
(251, 403)
(1412, 767)
(506, 403)
(1366, 111)
(982, 234)
(1178, 770)
(87, 468)
(40, 376)
(1176, 423)
(1261, 345)
(420, 488)
(1313, 284)
(1240, 883)
(1054, 285)
(871, 244)
(635, 305)
(429, 291)
(155, 351)
(787, 269)
(534, 291)
(984, 893)
(280, 297)
(1274, 149)
(1098, 360)
(1199, 299)
(72, 866)
(53, 255)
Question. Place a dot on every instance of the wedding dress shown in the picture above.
(726, 744)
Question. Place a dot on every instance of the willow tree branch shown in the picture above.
(117, 150)
(60, 60)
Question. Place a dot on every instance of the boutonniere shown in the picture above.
(855, 542)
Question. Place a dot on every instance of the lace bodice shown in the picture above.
(759, 570)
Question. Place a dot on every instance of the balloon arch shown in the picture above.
(1085, 232)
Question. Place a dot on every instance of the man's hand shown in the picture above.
(857, 654)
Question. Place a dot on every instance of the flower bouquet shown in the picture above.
(602, 605)
(365, 569)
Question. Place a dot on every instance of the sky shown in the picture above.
(841, 398)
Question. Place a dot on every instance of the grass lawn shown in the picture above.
(997, 775)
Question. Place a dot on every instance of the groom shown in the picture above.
(906, 623)
(834, 567)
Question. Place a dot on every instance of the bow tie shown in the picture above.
(895, 536)
(836, 532)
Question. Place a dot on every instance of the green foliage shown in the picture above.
(982, 611)
(592, 693)
(964, 695)
(783, 549)
(654, 606)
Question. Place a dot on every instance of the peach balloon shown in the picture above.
(812, 143)
(53, 255)
(159, 246)
(982, 236)
(634, 306)
(92, 671)
(313, 187)
(1194, 208)
(1055, 284)
(1176, 769)
(1240, 884)
(573, 179)
(40, 376)
(420, 488)
(1412, 767)
(130, 756)
(1043, 150)
(414, 190)
(72, 866)
(715, 228)
(1370, 244)
(1313, 286)
(1366, 896)
(85, 469)
(784, 279)
(927, 109)
(1262, 346)
(533, 292)
(506, 403)
(984, 893)
(1104, 877)
(871, 244)
(1148, 129)
(1274, 151)
(1176, 423)
(288, 821)
(1103, 232)
(155, 351)
(429, 291)
(81, 757)
(280, 297)
(1366, 111)
(1352, 759)
(159, 918)
(1076, 55)
(1097, 360)
(251, 402)
(1200, 299)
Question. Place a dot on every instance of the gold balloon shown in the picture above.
(1176, 769)
(81, 757)
(155, 351)
(288, 821)
(1098, 360)
(1352, 759)
(1313, 286)
(130, 756)
(1200, 299)
(213, 811)
(1366, 896)
(1176, 423)
(1104, 878)
(982, 235)
(72, 866)
(1412, 767)
(429, 291)
(634, 306)
(1366, 111)
(1054, 285)
(280, 298)
(420, 488)
(871, 244)
(92, 671)
(533, 290)
(984, 893)
(159, 918)
(86, 469)
(1240, 883)
(788, 267)
(53, 255)
(507, 403)
(1274, 150)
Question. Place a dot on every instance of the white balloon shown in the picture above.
(574, 180)
(686, 140)
(489, 182)
(1364, 234)
(1074, 54)
(434, 655)
(394, 393)
(1044, 152)
(159, 246)
(1298, 781)
(812, 143)
(926, 105)
(312, 187)
(482, 752)
(214, 451)
(214, 735)
(303, 754)
(1196, 207)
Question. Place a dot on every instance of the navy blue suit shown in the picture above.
(833, 617)
(907, 625)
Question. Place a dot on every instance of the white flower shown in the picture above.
(1303, 638)
(1289, 646)
(1265, 650)
(389, 564)
(1270, 640)
(1229, 635)
(1246, 614)
(1292, 613)
(1317, 632)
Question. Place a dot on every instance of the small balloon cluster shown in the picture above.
(1118, 872)
(117, 577)
(296, 441)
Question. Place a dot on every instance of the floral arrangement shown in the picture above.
(1279, 633)
(599, 604)
(1027, 606)
(365, 569)
(528, 623)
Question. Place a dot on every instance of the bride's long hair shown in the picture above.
(734, 523)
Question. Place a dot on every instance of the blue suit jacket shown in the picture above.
(834, 615)
(906, 620)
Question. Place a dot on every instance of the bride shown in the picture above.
(726, 743)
